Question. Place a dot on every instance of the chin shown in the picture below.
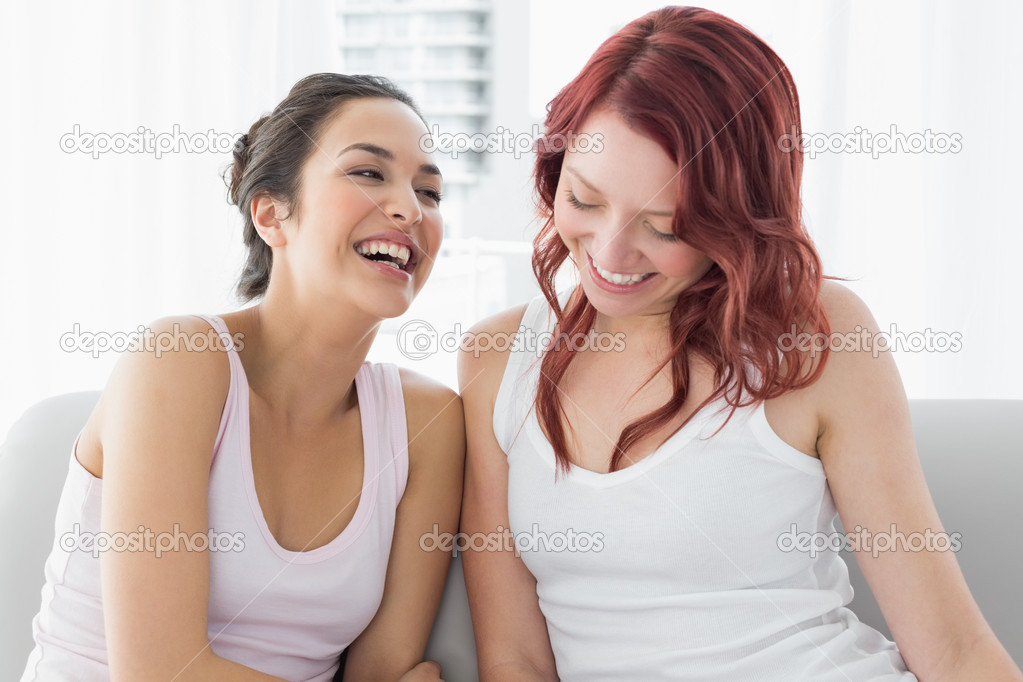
(389, 309)
(611, 305)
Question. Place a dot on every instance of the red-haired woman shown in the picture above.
(650, 463)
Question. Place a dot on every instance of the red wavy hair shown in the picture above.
(717, 100)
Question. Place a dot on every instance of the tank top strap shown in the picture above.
(394, 401)
(517, 391)
(233, 404)
(382, 404)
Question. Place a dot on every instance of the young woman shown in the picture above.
(649, 461)
(281, 481)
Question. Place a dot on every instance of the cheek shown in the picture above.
(358, 201)
(680, 262)
(430, 233)
(434, 221)
(338, 206)
(569, 224)
(423, 271)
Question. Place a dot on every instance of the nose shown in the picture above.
(610, 246)
(403, 207)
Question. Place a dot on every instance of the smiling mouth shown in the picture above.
(619, 278)
(398, 256)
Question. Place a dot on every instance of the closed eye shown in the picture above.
(572, 199)
(663, 236)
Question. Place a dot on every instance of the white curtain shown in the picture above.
(111, 242)
(933, 238)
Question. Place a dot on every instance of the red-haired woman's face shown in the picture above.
(613, 209)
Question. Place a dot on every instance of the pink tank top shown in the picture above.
(285, 613)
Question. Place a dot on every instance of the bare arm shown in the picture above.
(392, 645)
(870, 458)
(511, 633)
(157, 421)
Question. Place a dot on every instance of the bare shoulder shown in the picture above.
(433, 413)
(853, 329)
(845, 311)
(177, 369)
(481, 364)
(842, 304)
(801, 417)
(426, 398)
(859, 362)
(180, 351)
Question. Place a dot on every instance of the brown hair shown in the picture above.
(269, 158)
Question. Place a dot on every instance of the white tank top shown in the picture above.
(670, 568)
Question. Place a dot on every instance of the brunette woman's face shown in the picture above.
(370, 225)
(613, 209)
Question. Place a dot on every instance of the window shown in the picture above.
(360, 27)
(396, 59)
(360, 59)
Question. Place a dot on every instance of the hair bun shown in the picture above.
(241, 145)
(242, 151)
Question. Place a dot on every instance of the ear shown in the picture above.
(265, 212)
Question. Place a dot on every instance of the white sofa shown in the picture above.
(971, 451)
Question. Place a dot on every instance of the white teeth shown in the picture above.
(617, 277)
(399, 252)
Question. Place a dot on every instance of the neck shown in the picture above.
(649, 332)
(301, 362)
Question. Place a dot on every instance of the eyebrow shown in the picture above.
(387, 155)
(573, 171)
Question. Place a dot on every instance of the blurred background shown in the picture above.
(105, 241)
